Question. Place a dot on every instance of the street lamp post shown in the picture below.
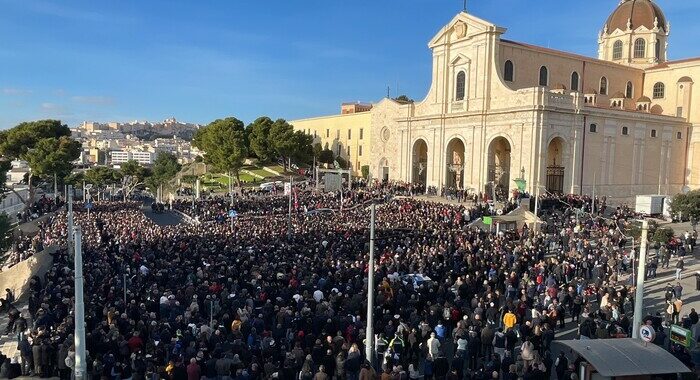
(369, 332)
(641, 272)
(79, 340)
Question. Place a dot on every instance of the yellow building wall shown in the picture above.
(348, 136)
(527, 62)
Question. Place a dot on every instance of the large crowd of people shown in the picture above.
(249, 301)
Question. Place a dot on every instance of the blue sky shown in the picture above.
(123, 60)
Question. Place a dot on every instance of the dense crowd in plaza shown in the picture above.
(245, 302)
(25, 245)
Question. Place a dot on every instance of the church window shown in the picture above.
(340, 149)
(659, 90)
(617, 50)
(574, 81)
(593, 128)
(640, 48)
(508, 71)
(653, 133)
(629, 91)
(544, 76)
(460, 87)
(603, 86)
(679, 136)
(625, 131)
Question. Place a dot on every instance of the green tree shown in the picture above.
(634, 229)
(326, 156)
(365, 171)
(282, 140)
(303, 148)
(342, 163)
(133, 175)
(662, 235)
(53, 156)
(165, 168)
(102, 177)
(403, 99)
(75, 179)
(6, 236)
(317, 151)
(47, 147)
(224, 144)
(259, 137)
(687, 205)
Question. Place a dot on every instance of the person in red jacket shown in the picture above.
(135, 342)
(193, 370)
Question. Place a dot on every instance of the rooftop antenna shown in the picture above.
(387, 92)
(465, 6)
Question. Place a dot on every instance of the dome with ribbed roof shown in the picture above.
(638, 13)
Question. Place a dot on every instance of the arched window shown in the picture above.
(625, 131)
(594, 128)
(508, 71)
(603, 86)
(659, 90)
(617, 50)
(574, 81)
(629, 91)
(640, 48)
(459, 88)
(544, 76)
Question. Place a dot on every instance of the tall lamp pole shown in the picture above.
(369, 331)
(69, 218)
(641, 274)
(80, 358)
(289, 215)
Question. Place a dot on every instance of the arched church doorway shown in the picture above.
(555, 166)
(499, 169)
(420, 162)
(455, 164)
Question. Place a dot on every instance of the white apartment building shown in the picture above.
(122, 156)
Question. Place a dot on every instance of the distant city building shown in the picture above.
(115, 143)
(356, 107)
(119, 157)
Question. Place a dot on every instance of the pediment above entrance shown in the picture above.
(463, 27)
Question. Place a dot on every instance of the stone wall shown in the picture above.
(17, 277)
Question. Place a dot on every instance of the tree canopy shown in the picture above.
(224, 144)
(289, 144)
(51, 156)
(45, 145)
(17, 141)
(259, 137)
(102, 176)
(688, 205)
(165, 168)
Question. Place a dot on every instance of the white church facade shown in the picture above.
(497, 110)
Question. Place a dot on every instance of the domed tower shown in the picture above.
(636, 34)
